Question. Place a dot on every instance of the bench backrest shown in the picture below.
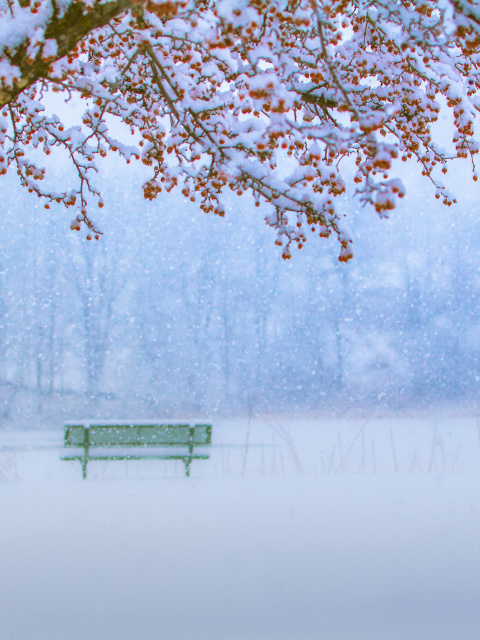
(137, 435)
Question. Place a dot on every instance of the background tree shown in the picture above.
(407, 313)
(286, 99)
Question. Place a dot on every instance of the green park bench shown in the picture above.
(150, 441)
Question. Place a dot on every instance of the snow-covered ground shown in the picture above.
(294, 529)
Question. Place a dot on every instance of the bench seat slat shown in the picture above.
(195, 456)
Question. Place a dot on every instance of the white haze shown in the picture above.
(341, 500)
(265, 541)
(175, 312)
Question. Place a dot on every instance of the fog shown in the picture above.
(341, 497)
(175, 312)
(257, 544)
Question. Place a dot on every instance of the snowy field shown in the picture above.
(293, 530)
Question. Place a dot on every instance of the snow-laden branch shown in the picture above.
(32, 37)
(261, 96)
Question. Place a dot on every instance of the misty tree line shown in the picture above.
(174, 311)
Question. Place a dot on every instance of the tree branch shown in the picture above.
(468, 9)
(67, 30)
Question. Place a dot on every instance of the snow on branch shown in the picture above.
(221, 94)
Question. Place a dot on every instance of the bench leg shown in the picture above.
(84, 467)
(86, 451)
(188, 461)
